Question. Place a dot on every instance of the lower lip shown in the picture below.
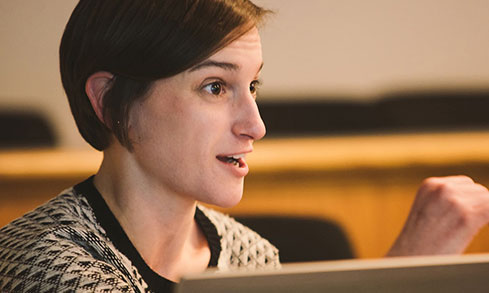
(236, 170)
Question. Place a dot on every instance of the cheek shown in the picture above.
(152, 119)
(179, 124)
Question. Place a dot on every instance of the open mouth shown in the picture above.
(236, 160)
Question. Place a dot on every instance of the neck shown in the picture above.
(159, 223)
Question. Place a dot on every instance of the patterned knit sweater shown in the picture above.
(63, 247)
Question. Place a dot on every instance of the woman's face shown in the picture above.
(191, 135)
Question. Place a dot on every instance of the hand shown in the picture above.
(446, 214)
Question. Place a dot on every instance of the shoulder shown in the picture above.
(58, 247)
(67, 214)
(241, 247)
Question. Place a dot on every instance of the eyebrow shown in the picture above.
(223, 65)
(212, 63)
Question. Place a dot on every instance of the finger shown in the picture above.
(458, 179)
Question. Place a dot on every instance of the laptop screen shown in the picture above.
(466, 273)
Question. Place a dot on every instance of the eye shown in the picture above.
(215, 88)
(254, 85)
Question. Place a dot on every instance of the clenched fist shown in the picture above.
(446, 214)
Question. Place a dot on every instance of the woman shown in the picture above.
(166, 89)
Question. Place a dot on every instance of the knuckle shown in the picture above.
(465, 178)
(481, 188)
(434, 186)
(431, 181)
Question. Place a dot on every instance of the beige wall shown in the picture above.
(312, 47)
(362, 48)
(30, 31)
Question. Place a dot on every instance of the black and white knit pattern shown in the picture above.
(60, 247)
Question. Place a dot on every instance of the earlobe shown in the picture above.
(95, 88)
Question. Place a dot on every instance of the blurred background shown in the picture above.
(362, 100)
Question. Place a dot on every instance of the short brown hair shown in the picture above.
(139, 42)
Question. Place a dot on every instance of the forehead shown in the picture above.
(246, 50)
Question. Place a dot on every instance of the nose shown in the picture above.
(248, 123)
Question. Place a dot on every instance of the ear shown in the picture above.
(95, 87)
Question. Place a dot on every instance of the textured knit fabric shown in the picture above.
(61, 247)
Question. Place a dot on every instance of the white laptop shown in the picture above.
(466, 273)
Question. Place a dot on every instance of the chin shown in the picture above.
(229, 203)
(227, 199)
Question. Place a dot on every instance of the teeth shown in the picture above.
(235, 160)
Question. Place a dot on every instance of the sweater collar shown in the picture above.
(119, 238)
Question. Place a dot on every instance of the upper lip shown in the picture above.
(236, 153)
